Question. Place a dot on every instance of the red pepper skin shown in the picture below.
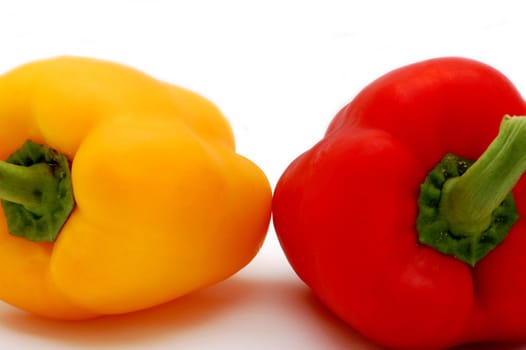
(345, 211)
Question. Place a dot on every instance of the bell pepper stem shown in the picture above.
(467, 208)
(468, 201)
(36, 192)
(25, 185)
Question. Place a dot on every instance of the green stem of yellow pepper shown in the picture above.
(36, 192)
(25, 185)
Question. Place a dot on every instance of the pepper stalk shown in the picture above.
(466, 208)
(36, 192)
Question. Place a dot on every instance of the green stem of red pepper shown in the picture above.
(36, 192)
(468, 201)
(467, 209)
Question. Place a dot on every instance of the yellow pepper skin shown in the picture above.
(164, 204)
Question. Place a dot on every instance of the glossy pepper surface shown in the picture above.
(163, 204)
(406, 219)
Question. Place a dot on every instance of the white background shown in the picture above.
(279, 70)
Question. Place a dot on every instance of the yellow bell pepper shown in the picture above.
(163, 204)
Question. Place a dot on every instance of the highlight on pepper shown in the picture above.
(119, 191)
(407, 218)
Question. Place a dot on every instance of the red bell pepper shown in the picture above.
(395, 229)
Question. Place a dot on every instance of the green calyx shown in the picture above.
(466, 208)
(36, 192)
(435, 230)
